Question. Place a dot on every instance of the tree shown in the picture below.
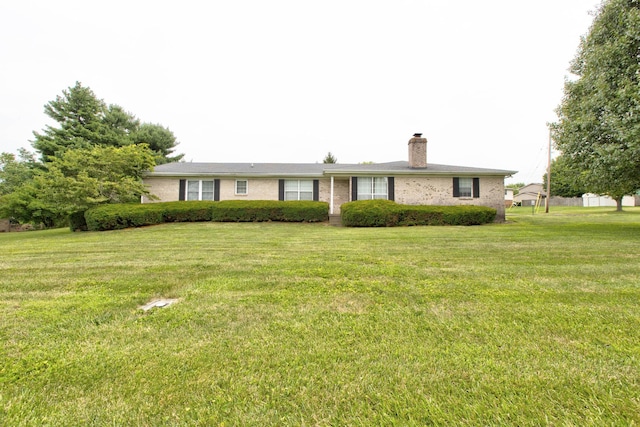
(160, 140)
(330, 158)
(97, 154)
(77, 180)
(79, 115)
(598, 130)
(16, 171)
(82, 178)
(118, 128)
(566, 181)
(84, 121)
(17, 196)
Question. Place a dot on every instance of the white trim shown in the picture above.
(372, 188)
(235, 187)
(331, 198)
(298, 191)
(200, 186)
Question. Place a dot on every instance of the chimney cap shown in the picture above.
(417, 135)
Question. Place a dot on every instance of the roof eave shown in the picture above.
(232, 174)
(418, 173)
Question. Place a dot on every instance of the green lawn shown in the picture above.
(532, 322)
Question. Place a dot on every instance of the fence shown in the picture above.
(565, 201)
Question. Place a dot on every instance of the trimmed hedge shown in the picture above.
(118, 216)
(187, 211)
(268, 210)
(369, 213)
(385, 213)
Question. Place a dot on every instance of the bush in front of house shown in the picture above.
(118, 216)
(369, 213)
(469, 215)
(244, 211)
(187, 211)
(385, 213)
(304, 211)
(270, 210)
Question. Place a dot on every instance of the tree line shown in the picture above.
(96, 153)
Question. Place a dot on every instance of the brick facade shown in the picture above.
(439, 191)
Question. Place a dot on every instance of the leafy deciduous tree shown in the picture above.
(598, 130)
(78, 179)
(566, 181)
(83, 178)
(16, 171)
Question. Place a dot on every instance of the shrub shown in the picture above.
(469, 215)
(385, 213)
(269, 210)
(77, 222)
(423, 215)
(187, 211)
(243, 211)
(304, 211)
(117, 216)
(369, 213)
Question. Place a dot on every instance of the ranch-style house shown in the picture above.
(412, 182)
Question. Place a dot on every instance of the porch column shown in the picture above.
(331, 202)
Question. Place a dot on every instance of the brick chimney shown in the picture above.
(418, 151)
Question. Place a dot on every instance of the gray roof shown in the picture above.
(315, 169)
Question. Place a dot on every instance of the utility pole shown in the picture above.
(546, 209)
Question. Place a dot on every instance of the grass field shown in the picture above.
(532, 322)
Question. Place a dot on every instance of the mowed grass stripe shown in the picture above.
(531, 322)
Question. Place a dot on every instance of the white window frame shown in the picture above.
(293, 189)
(246, 187)
(370, 187)
(465, 187)
(190, 193)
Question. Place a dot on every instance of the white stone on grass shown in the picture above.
(160, 303)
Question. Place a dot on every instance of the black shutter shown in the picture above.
(456, 187)
(354, 188)
(391, 191)
(316, 190)
(476, 187)
(281, 189)
(182, 190)
(216, 190)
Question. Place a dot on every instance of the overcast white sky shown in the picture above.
(290, 80)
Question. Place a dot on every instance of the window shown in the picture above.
(207, 190)
(193, 190)
(242, 187)
(298, 189)
(199, 190)
(466, 187)
(372, 188)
